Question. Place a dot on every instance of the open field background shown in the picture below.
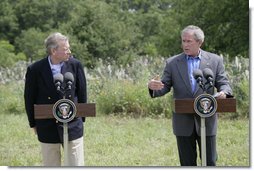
(123, 141)
(130, 129)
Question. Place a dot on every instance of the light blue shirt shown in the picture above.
(193, 63)
(55, 68)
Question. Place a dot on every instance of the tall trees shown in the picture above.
(123, 30)
(105, 31)
(45, 15)
(225, 23)
(31, 43)
(8, 21)
(7, 55)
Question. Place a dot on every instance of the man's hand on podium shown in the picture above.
(220, 95)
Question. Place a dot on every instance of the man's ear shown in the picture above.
(201, 43)
(52, 51)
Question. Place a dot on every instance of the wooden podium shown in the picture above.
(45, 111)
(186, 106)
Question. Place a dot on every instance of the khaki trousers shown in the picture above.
(51, 153)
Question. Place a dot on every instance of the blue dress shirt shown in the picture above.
(193, 63)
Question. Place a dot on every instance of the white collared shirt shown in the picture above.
(55, 68)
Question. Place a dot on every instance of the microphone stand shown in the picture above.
(66, 139)
(203, 142)
(203, 129)
(65, 133)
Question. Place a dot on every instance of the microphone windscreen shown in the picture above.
(58, 77)
(197, 73)
(208, 73)
(68, 76)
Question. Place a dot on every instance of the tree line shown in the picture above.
(120, 31)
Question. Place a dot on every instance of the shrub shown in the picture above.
(11, 98)
(123, 90)
(126, 97)
(118, 90)
(238, 73)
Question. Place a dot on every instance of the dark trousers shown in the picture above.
(187, 149)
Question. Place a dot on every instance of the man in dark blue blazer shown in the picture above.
(178, 74)
(40, 89)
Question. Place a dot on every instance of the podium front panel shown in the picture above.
(45, 111)
(187, 105)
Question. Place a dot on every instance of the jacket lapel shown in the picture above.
(64, 68)
(183, 70)
(47, 75)
(204, 63)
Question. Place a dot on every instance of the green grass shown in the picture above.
(123, 141)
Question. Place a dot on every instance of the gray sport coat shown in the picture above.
(176, 76)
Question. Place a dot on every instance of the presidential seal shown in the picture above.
(64, 110)
(205, 105)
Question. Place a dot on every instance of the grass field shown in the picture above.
(123, 141)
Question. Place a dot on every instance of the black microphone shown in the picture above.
(198, 75)
(58, 80)
(208, 74)
(68, 77)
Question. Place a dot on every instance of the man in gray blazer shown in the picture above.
(178, 73)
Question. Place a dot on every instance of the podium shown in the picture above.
(48, 111)
(44, 111)
(188, 106)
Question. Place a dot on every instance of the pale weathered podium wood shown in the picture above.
(187, 105)
(45, 111)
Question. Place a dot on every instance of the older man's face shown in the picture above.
(190, 45)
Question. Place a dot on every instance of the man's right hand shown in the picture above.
(155, 83)
(35, 130)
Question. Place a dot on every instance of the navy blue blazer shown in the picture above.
(40, 89)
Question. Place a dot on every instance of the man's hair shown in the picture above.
(52, 41)
(197, 32)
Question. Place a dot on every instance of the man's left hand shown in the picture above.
(221, 95)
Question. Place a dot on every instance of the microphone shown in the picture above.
(68, 77)
(58, 80)
(208, 74)
(198, 75)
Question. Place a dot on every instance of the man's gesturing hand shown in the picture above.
(155, 83)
